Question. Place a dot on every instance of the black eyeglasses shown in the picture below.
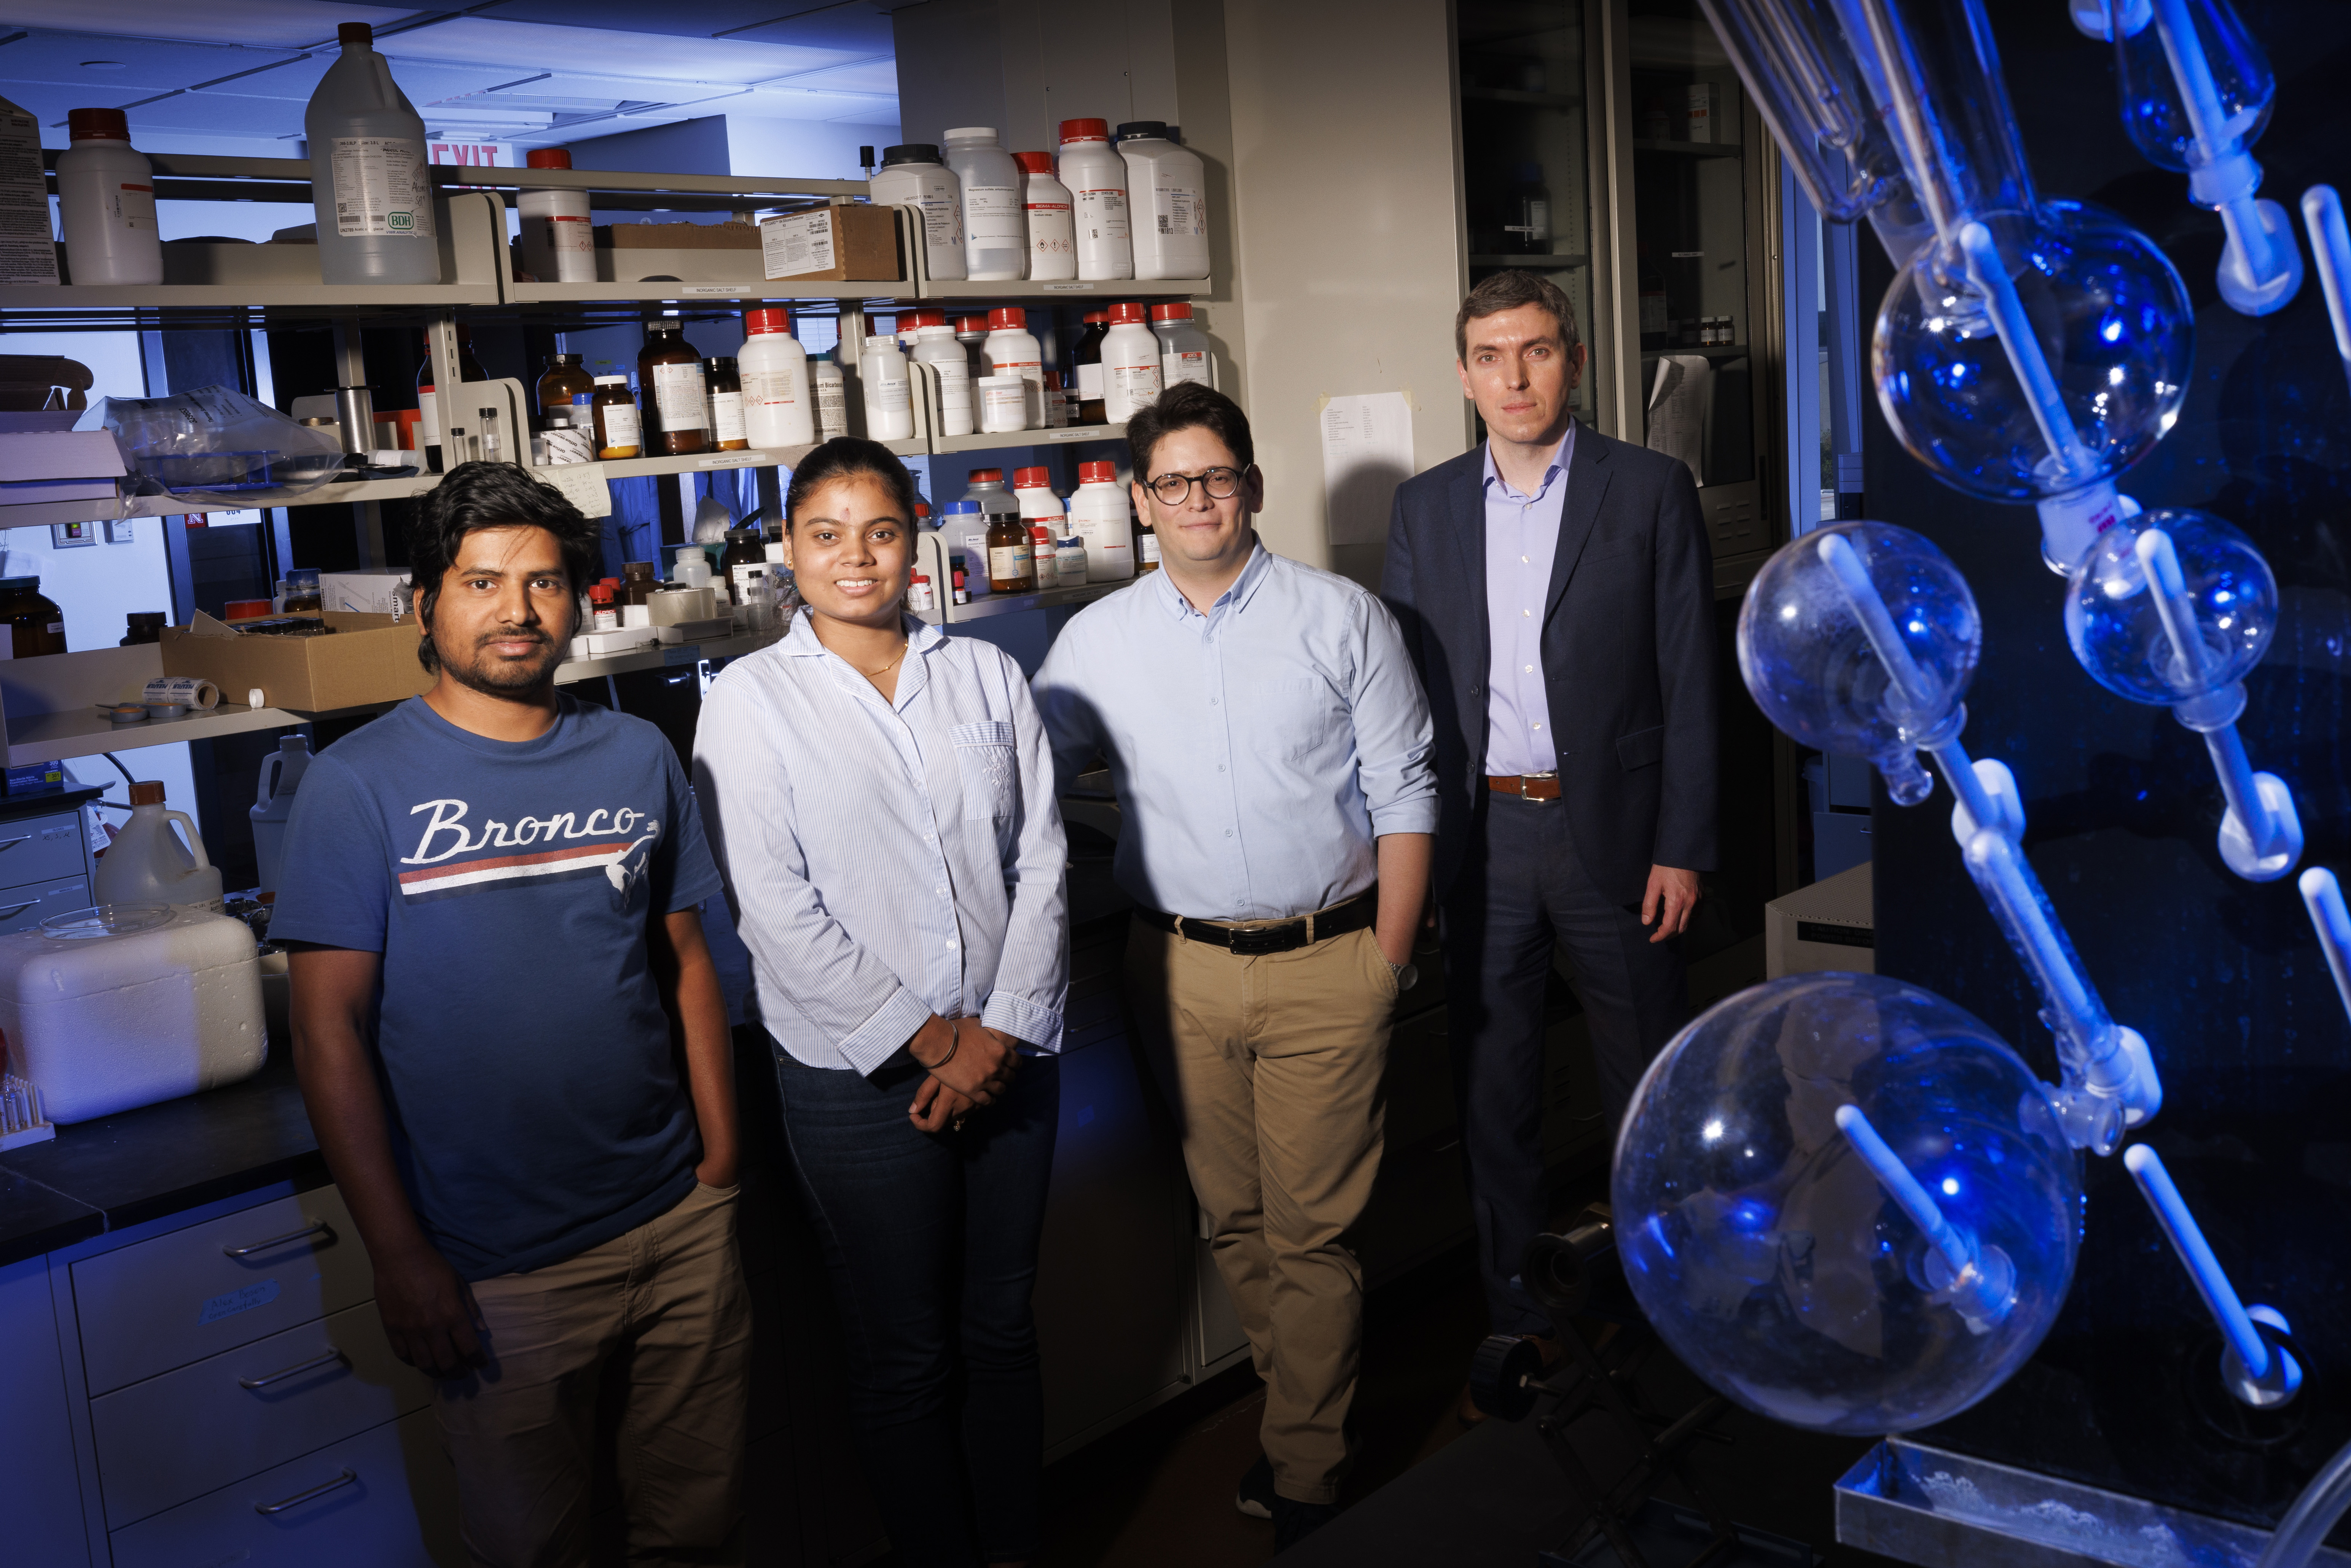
(1173, 489)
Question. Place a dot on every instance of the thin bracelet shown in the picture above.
(954, 1041)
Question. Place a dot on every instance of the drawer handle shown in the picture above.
(332, 1358)
(19, 839)
(19, 909)
(299, 1498)
(316, 1228)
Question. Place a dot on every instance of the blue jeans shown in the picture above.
(931, 1243)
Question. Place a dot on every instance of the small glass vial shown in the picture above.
(1146, 555)
(726, 430)
(493, 451)
(962, 593)
(1011, 556)
(619, 433)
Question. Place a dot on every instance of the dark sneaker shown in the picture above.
(1295, 1521)
(1254, 1497)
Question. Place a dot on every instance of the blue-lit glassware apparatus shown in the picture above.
(1846, 1202)
(1825, 609)
(2196, 95)
(1860, 639)
(2174, 608)
(2029, 350)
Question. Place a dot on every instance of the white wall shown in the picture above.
(1024, 66)
(1350, 257)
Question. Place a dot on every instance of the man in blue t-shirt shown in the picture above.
(515, 1051)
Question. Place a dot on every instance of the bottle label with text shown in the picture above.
(381, 187)
(681, 395)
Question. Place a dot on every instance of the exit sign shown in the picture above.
(482, 154)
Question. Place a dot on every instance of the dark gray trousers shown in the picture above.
(1520, 890)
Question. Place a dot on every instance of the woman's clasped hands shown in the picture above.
(969, 1069)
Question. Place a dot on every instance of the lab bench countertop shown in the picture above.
(120, 1171)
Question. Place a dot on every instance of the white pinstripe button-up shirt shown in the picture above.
(887, 860)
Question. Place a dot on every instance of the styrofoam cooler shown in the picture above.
(120, 1007)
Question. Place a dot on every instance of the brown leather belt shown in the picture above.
(1525, 786)
(1280, 936)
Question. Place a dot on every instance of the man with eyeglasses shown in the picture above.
(1269, 745)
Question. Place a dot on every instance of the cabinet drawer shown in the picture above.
(41, 849)
(21, 907)
(179, 1436)
(385, 1498)
(160, 1304)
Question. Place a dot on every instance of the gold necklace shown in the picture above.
(876, 674)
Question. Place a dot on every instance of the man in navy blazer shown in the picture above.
(1556, 590)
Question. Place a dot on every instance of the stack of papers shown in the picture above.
(58, 465)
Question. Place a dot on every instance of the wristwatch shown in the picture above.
(1406, 976)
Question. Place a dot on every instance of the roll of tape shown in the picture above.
(189, 690)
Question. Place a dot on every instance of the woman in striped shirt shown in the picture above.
(881, 802)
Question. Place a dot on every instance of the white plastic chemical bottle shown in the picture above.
(370, 183)
(282, 775)
(1166, 189)
(146, 864)
(995, 231)
(106, 194)
(778, 407)
(1130, 364)
(888, 400)
(1012, 350)
(1052, 227)
(936, 347)
(831, 392)
(913, 176)
(1096, 178)
(1183, 347)
(1098, 516)
(559, 240)
(1040, 507)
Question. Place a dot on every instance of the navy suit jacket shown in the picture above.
(1628, 655)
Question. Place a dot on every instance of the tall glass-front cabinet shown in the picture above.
(1609, 145)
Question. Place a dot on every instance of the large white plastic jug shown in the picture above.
(109, 1009)
(282, 775)
(146, 864)
(370, 182)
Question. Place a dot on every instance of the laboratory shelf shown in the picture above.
(39, 737)
(1691, 149)
(1044, 599)
(1016, 289)
(998, 441)
(661, 655)
(782, 291)
(702, 461)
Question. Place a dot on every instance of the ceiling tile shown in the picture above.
(281, 23)
(49, 102)
(861, 27)
(147, 65)
(877, 75)
(598, 50)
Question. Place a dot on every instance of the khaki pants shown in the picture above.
(663, 1310)
(1273, 1065)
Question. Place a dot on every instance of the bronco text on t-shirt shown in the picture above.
(535, 1105)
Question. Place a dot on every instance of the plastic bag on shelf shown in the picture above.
(217, 445)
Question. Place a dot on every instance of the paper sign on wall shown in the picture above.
(1366, 454)
(582, 484)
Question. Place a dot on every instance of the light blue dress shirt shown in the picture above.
(1258, 750)
(1521, 537)
(887, 860)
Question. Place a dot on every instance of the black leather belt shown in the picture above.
(1278, 936)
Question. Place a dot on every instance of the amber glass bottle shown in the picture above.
(566, 377)
(1011, 556)
(675, 401)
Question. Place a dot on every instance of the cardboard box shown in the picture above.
(368, 659)
(728, 236)
(831, 245)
